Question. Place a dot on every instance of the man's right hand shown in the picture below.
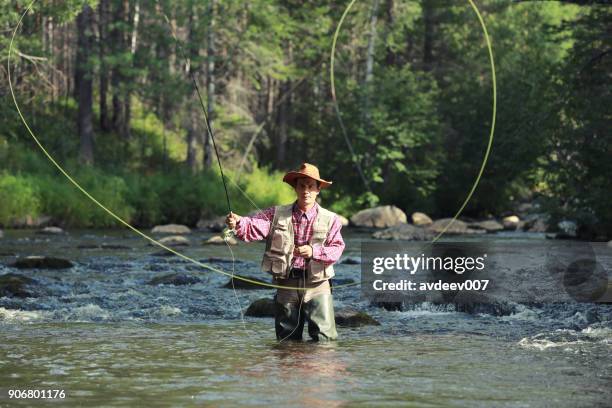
(231, 220)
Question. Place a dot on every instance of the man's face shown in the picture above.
(306, 190)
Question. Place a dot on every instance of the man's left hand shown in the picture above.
(304, 251)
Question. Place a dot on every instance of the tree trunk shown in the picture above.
(390, 57)
(284, 114)
(103, 12)
(192, 103)
(428, 21)
(117, 44)
(369, 73)
(83, 75)
(210, 85)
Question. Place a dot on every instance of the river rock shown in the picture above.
(14, 285)
(379, 217)
(457, 226)
(488, 226)
(174, 229)
(51, 231)
(511, 222)
(420, 219)
(567, 229)
(175, 279)
(240, 284)
(30, 222)
(261, 308)
(407, 232)
(343, 220)
(353, 318)
(174, 241)
(535, 223)
(350, 261)
(217, 240)
(213, 225)
(42, 262)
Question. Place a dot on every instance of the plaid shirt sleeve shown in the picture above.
(255, 228)
(332, 248)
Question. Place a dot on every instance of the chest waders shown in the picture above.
(314, 304)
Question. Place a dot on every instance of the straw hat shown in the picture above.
(305, 170)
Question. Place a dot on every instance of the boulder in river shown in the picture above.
(261, 308)
(567, 229)
(420, 219)
(353, 318)
(217, 240)
(407, 232)
(453, 227)
(241, 284)
(42, 262)
(175, 279)
(14, 285)
(379, 217)
(511, 222)
(174, 241)
(51, 231)
(174, 229)
(212, 225)
(343, 220)
(488, 226)
(266, 307)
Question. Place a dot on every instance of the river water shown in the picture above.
(100, 332)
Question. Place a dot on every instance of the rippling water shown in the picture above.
(103, 334)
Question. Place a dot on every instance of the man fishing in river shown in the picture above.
(303, 241)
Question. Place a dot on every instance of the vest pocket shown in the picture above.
(318, 271)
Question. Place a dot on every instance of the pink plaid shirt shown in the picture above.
(258, 227)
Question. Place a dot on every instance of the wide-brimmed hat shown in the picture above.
(305, 170)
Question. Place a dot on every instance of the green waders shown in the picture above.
(318, 312)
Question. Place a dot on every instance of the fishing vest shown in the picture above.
(281, 242)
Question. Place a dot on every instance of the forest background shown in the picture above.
(106, 89)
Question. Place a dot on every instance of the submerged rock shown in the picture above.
(217, 240)
(175, 279)
(420, 219)
(14, 285)
(407, 232)
(379, 217)
(174, 240)
(353, 318)
(567, 229)
(261, 308)
(174, 229)
(350, 261)
(213, 225)
(266, 307)
(240, 284)
(51, 231)
(42, 262)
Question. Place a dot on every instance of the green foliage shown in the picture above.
(18, 197)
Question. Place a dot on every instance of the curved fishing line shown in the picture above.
(494, 114)
(337, 108)
(95, 201)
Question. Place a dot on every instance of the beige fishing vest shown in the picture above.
(281, 241)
